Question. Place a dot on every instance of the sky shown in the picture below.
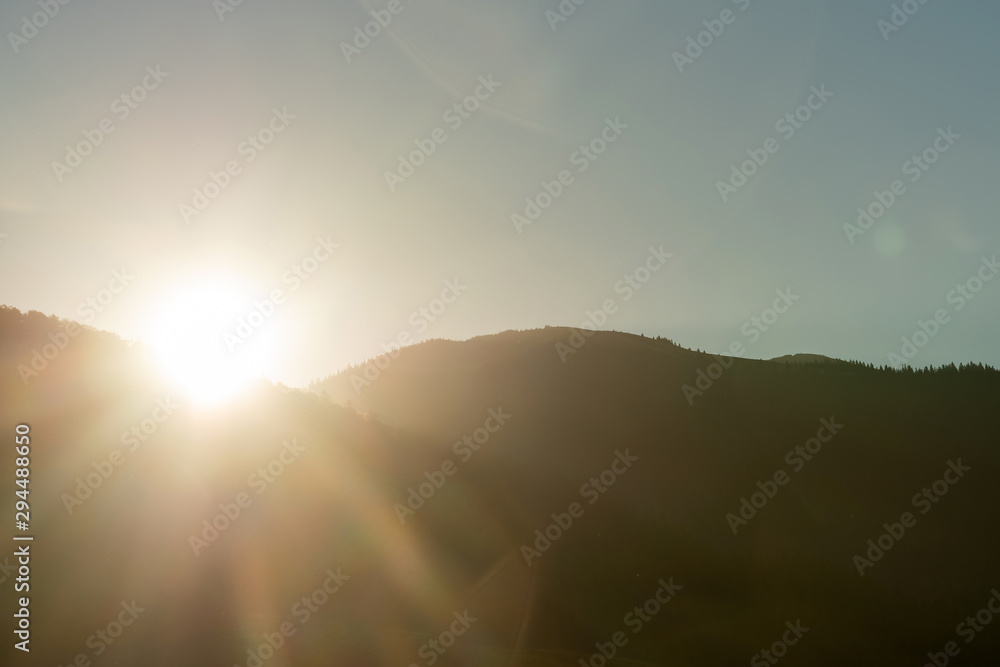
(631, 136)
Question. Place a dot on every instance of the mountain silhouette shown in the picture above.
(805, 359)
(550, 495)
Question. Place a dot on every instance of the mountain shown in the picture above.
(525, 498)
(805, 359)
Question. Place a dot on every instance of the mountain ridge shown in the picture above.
(758, 497)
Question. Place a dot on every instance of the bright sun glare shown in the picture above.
(188, 334)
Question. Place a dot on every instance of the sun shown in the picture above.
(188, 334)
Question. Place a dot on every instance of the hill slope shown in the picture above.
(700, 454)
(644, 480)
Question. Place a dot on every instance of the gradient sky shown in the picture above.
(324, 174)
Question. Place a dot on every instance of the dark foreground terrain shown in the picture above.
(484, 503)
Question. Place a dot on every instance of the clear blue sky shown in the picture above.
(656, 184)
